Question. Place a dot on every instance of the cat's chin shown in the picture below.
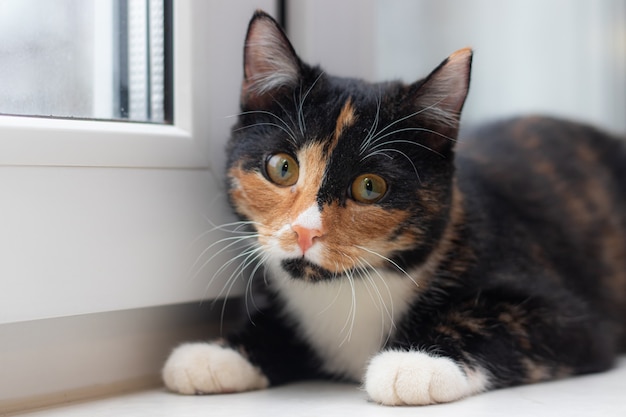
(302, 269)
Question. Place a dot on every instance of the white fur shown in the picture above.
(311, 218)
(418, 378)
(204, 368)
(346, 323)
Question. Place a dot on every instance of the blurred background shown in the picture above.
(560, 57)
(106, 59)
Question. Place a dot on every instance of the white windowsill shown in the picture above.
(593, 395)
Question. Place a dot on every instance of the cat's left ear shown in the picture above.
(270, 62)
(440, 97)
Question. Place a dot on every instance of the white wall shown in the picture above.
(562, 57)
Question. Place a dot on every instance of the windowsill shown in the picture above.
(593, 395)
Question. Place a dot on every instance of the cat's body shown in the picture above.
(427, 270)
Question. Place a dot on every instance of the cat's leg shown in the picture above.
(486, 344)
(266, 352)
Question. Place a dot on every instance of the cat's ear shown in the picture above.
(270, 62)
(440, 97)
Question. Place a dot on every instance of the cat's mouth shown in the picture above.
(302, 269)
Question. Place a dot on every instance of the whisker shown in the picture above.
(287, 131)
(408, 142)
(395, 122)
(269, 113)
(382, 152)
(372, 131)
(381, 305)
(300, 106)
(250, 256)
(260, 261)
(372, 140)
(234, 240)
(390, 310)
(395, 264)
(333, 300)
(411, 129)
(352, 315)
(223, 228)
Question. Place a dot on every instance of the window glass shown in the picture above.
(93, 59)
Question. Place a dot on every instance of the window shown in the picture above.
(99, 216)
(103, 59)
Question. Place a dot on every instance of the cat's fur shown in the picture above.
(497, 261)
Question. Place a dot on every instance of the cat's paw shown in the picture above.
(417, 378)
(204, 368)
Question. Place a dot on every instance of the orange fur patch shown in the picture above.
(347, 118)
(356, 226)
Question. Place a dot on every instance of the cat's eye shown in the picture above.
(368, 188)
(282, 169)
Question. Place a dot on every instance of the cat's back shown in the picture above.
(548, 196)
(541, 166)
(532, 151)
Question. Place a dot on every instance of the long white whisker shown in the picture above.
(382, 152)
(352, 316)
(249, 289)
(395, 264)
(395, 122)
(381, 305)
(238, 269)
(234, 240)
(410, 129)
(287, 131)
(333, 300)
(379, 136)
(273, 115)
(372, 130)
(232, 279)
(224, 228)
(300, 107)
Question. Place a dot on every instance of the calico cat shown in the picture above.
(427, 269)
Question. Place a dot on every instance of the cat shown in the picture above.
(426, 269)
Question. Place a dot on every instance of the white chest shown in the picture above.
(347, 320)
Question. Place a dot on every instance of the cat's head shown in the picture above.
(340, 175)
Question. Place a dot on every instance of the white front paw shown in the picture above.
(204, 368)
(415, 378)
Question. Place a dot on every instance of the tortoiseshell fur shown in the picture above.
(504, 253)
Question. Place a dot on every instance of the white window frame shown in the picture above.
(36, 141)
(146, 190)
(97, 219)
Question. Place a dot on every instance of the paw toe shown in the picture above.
(202, 368)
(414, 378)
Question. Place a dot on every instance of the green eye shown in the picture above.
(368, 188)
(282, 169)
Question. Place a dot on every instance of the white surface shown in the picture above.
(593, 395)
(81, 356)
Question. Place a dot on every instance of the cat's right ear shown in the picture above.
(270, 62)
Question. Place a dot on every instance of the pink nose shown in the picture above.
(306, 236)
